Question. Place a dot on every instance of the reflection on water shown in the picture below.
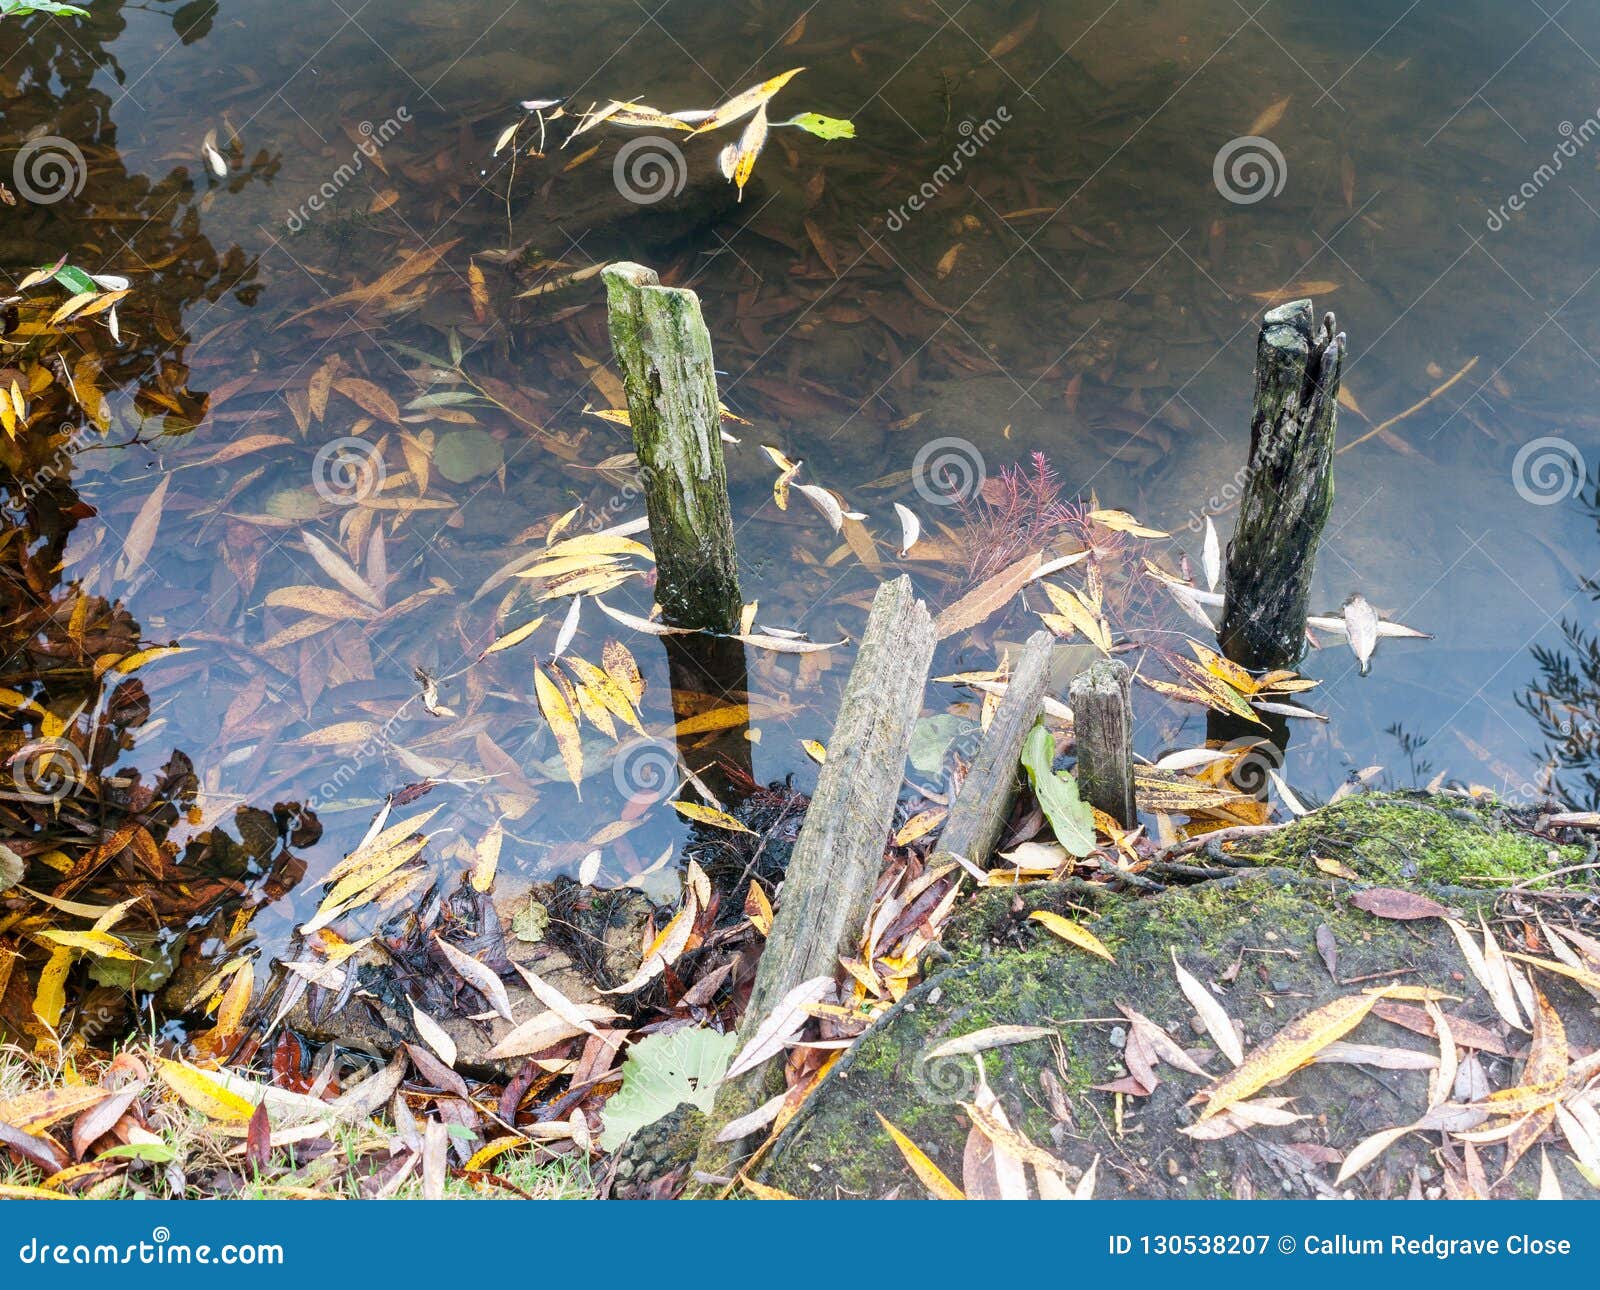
(353, 418)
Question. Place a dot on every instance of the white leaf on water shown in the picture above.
(1211, 555)
(569, 628)
(910, 527)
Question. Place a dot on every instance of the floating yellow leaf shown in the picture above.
(1122, 522)
(709, 815)
(562, 724)
(515, 636)
(101, 945)
(741, 105)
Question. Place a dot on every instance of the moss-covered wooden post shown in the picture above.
(1102, 724)
(664, 351)
(1288, 490)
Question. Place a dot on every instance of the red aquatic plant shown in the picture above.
(1015, 512)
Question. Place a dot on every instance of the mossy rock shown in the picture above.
(1253, 936)
(1400, 838)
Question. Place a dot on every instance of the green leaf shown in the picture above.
(932, 736)
(465, 455)
(824, 127)
(9, 8)
(158, 1153)
(662, 1072)
(75, 279)
(1069, 815)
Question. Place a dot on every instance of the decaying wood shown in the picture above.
(981, 807)
(1288, 490)
(664, 351)
(1102, 723)
(827, 890)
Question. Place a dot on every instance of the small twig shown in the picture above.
(1554, 873)
(1234, 834)
(1415, 407)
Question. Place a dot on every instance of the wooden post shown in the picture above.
(1102, 721)
(664, 351)
(981, 807)
(827, 890)
(1288, 490)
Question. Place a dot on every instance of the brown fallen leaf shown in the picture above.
(987, 598)
(1390, 902)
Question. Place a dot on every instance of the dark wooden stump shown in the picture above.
(1288, 490)
(664, 351)
(1102, 723)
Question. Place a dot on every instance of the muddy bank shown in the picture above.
(1274, 942)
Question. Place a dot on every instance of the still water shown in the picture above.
(1054, 231)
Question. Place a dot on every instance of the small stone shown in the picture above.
(1119, 1037)
(1434, 1193)
(1172, 1167)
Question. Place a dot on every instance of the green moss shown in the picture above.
(1252, 935)
(1402, 837)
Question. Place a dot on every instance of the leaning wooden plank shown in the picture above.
(984, 801)
(827, 890)
(1288, 491)
(664, 350)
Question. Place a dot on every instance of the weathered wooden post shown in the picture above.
(1288, 489)
(827, 889)
(1102, 723)
(981, 807)
(664, 351)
